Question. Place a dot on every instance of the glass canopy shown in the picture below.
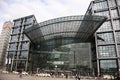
(64, 30)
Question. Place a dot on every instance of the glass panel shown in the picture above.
(118, 46)
(29, 20)
(24, 45)
(105, 38)
(100, 5)
(66, 57)
(12, 54)
(112, 3)
(118, 36)
(16, 30)
(106, 26)
(105, 13)
(13, 46)
(27, 26)
(24, 37)
(17, 23)
(106, 51)
(14, 38)
(114, 13)
(60, 27)
(116, 24)
(23, 55)
(108, 67)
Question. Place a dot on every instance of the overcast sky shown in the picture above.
(42, 9)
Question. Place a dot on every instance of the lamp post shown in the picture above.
(74, 59)
(56, 69)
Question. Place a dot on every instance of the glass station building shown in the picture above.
(107, 48)
(64, 44)
(72, 44)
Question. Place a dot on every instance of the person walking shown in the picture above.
(20, 73)
(77, 77)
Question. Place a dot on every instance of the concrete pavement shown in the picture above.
(24, 77)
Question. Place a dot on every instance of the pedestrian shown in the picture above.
(78, 77)
(66, 76)
(20, 73)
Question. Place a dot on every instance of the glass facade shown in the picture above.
(108, 66)
(106, 26)
(107, 36)
(19, 44)
(106, 51)
(69, 57)
(64, 42)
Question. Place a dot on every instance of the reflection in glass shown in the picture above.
(100, 5)
(116, 24)
(23, 55)
(66, 57)
(14, 38)
(106, 38)
(114, 13)
(106, 26)
(106, 51)
(112, 3)
(104, 13)
(16, 30)
(118, 46)
(13, 46)
(17, 23)
(24, 45)
(118, 36)
(108, 66)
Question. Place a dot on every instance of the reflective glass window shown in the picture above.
(116, 24)
(14, 38)
(100, 5)
(108, 66)
(104, 13)
(24, 45)
(23, 54)
(114, 13)
(118, 36)
(16, 30)
(27, 26)
(17, 23)
(118, 46)
(106, 51)
(112, 3)
(105, 38)
(24, 37)
(106, 26)
(11, 54)
(13, 46)
(29, 20)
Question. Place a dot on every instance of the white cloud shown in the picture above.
(42, 9)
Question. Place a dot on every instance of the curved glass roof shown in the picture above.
(64, 30)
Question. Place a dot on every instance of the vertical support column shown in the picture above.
(114, 34)
(98, 64)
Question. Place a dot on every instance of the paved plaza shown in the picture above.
(10, 76)
(27, 77)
